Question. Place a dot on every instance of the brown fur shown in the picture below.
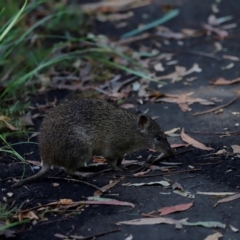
(73, 132)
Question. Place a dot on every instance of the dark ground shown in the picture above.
(218, 175)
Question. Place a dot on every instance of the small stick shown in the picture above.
(162, 174)
(216, 108)
(75, 180)
(192, 52)
(94, 236)
(134, 39)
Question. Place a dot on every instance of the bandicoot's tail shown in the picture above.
(40, 174)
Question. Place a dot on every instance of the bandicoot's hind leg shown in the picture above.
(40, 174)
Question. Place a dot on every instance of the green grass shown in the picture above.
(36, 36)
(7, 216)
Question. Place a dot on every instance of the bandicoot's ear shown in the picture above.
(143, 122)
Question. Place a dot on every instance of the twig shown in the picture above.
(162, 174)
(97, 235)
(204, 164)
(216, 108)
(76, 180)
(203, 54)
(134, 39)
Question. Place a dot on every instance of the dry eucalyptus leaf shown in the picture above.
(216, 193)
(228, 199)
(177, 208)
(177, 186)
(6, 121)
(26, 120)
(152, 221)
(233, 228)
(186, 138)
(220, 152)
(214, 236)
(236, 149)
(223, 81)
(229, 57)
(27, 214)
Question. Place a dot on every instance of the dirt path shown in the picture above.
(214, 173)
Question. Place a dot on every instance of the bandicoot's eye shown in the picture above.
(158, 138)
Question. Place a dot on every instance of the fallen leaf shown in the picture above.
(178, 145)
(184, 193)
(220, 152)
(170, 132)
(229, 66)
(107, 187)
(233, 58)
(183, 100)
(130, 237)
(235, 113)
(177, 208)
(107, 201)
(33, 135)
(207, 224)
(167, 33)
(59, 235)
(141, 173)
(223, 81)
(213, 20)
(27, 214)
(6, 121)
(221, 33)
(64, 204)
(193, 142)
(8, 233)
(218, 111)
(180, 72)
(214, 236)
(26, 120)
(228, 199)
(216, 193)
(233, 228)
(177, 186)
(236, 149)
(178, 223)
(159, 67)
(162, 183)
(106, 6)
(151, 221)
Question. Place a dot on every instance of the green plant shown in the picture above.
(7, 221)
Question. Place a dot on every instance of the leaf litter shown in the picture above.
(179, 74)
(228, 199)
(178, 223)
(177, 208)
(183, 100)
(64, 204)
(214, 236)
(161, 183)
(186, 138)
